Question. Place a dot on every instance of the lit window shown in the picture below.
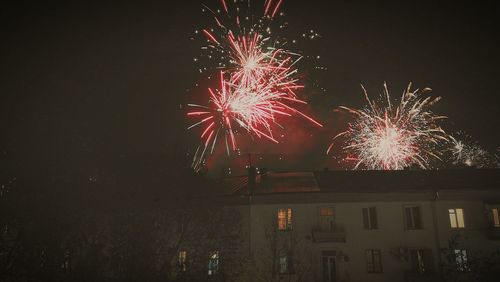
(413, 218)
(373, 261)
(213, 263)
(326, 218)
(285, 219)
(183, 260)
(456, 218)
(496, 218)
(461, 260)
(370, 218)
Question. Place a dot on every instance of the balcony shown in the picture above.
(332, 235)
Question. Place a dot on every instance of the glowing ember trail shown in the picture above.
(393, 137)
(258, 81)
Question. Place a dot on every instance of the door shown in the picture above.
(329, 269)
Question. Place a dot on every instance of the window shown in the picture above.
(326, 219)
(496, 218)
(461, 260)
(285, 219)
(373, 261)
(413, 219)
(213, 263)
(329, 266)
(283, 264)
(456, 218)
(66, 265)
(420, 260)
(183, 260)
(370, 218)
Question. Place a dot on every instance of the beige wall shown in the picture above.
(389, 237)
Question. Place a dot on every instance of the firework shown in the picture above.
(246, 50)
(258, 81)
(235, 36)
(469, 153)
(255, 109)
(384, 136)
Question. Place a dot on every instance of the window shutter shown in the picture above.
(408, 218)
(290, 265)
(365, 218)
(414, 260)
(417, 218)
(369, 260)
(377, 261)
(289, 219)
(373, 218)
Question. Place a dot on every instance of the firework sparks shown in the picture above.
(258, 81)
(466, 152)
(392, 137)
(240, 42)
(254, 109)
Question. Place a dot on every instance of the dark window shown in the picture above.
(373, 261)
(213, 263)
(413, 218)
(421, 260)
(329, 268)
(370, 218)
(66, 265)
(285, 263)
(461, 260)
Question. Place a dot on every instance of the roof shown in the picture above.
(408, 180)
(366, 181)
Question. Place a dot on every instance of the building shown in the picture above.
(409, 225)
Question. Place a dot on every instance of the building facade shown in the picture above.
(370, 225)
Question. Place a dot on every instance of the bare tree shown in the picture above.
(285, 256)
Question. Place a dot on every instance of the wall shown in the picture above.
(390, 236)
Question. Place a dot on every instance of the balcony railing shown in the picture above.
(324, 235)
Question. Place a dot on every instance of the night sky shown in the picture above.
(91, 88)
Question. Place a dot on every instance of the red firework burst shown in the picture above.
(258, 85)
